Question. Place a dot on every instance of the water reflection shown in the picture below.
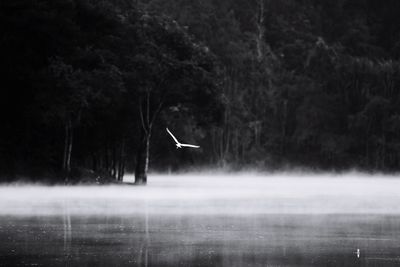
(287, 222)
(172, 240)
(67, 229)
(143, 259)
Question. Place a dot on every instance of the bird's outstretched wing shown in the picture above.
(176, 141)
(187, 145)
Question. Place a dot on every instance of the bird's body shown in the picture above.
(178, 144)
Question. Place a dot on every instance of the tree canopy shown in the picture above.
(87, 84)
(88, 78)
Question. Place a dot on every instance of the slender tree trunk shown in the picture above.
(236, 146)
(94, 162)
(283, 126)
(69, 153)
(68, 139)
(114, 163)
(148, 116)
(142, 159)
(121, 163)
(106, 158)
(215, 142)
(260, 30)
(367, 145)
(121, 170)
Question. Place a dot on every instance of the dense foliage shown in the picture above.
(85, 82)
(269, 83)
(305, 82)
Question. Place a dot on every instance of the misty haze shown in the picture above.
(199, 133)
(205, 220)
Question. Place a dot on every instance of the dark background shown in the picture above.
(266, 84)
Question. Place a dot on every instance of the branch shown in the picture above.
(159, 107)
(148, 107)
(156, 113)
(141, 116)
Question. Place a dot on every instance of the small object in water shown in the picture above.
(180, 145)
(357, 253)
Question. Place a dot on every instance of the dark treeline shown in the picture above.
(304, 82)
(89, 86)
(86, 84)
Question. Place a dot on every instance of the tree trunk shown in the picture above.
(66, 165)
(121, 170)
(147, 117)
(106, 158)
(142, 159)
(121, 163)
(64, 160)
(69, 153)
(260, 30)
(94, 162)
(114, 163)
(283, 126)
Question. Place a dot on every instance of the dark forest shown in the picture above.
(88, 87)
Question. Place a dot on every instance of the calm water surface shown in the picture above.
(231, 223)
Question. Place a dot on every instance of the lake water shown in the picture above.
(205, 220)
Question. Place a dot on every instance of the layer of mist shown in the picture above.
(212, 194)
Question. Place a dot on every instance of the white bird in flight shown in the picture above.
(180, 145)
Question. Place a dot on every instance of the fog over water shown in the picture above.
(212, 194)
(205, 220)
